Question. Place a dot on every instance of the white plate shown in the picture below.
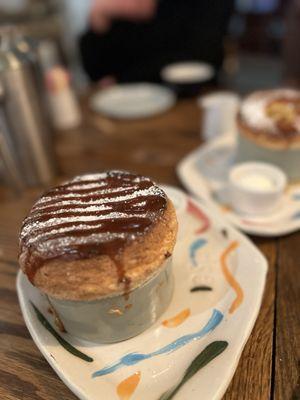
(204, 171)
(132, 101)
(187, 72)
(194, 320)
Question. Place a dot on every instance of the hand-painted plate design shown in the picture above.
(203, 173)
(194, 348)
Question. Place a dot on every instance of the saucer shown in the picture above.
(133, 101)
(204, 173)
(192, 351)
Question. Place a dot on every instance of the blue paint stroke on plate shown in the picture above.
(296, 196)
(135, 358)
(194, 247)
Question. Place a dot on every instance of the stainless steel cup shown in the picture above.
(26, 133)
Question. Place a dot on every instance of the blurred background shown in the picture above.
(84, 46)
(258, 44)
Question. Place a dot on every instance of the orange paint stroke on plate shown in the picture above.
(230, 278)
(226, 208)
(178, 319)
(126, 388)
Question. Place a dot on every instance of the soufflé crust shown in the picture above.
(271, 118)
(97, 235)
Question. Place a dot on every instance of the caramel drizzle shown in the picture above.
(111, 211)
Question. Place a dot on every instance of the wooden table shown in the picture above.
(269, 366)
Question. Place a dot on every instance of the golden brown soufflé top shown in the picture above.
(89, 216)
(272, 116)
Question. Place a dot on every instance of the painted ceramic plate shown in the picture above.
(204, 172)
(132, 101)
(193, 349)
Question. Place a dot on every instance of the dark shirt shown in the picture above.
(182, 30)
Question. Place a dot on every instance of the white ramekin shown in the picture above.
(116, 318)
(287, 159)
(248, 200)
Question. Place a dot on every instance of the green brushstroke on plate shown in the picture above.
(66, 345)
(208, 354)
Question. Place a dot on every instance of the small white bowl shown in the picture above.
(188, 77)
(256, 188)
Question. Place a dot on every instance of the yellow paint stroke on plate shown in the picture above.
(230, 278)
(178, 319)
(126, 388)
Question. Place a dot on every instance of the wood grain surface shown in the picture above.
(287, 319)
(269, 366)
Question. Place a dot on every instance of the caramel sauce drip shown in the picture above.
(90, 216)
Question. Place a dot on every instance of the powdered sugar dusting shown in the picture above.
(93, 185)
(153, 190)
(89, 209)
(89, 215)
(53, 246)
(69, 229)
(89, 177)
(52, 222)
(253, 109)
(83, 195)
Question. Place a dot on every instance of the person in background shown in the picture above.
(291, 54)
(132, 40)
